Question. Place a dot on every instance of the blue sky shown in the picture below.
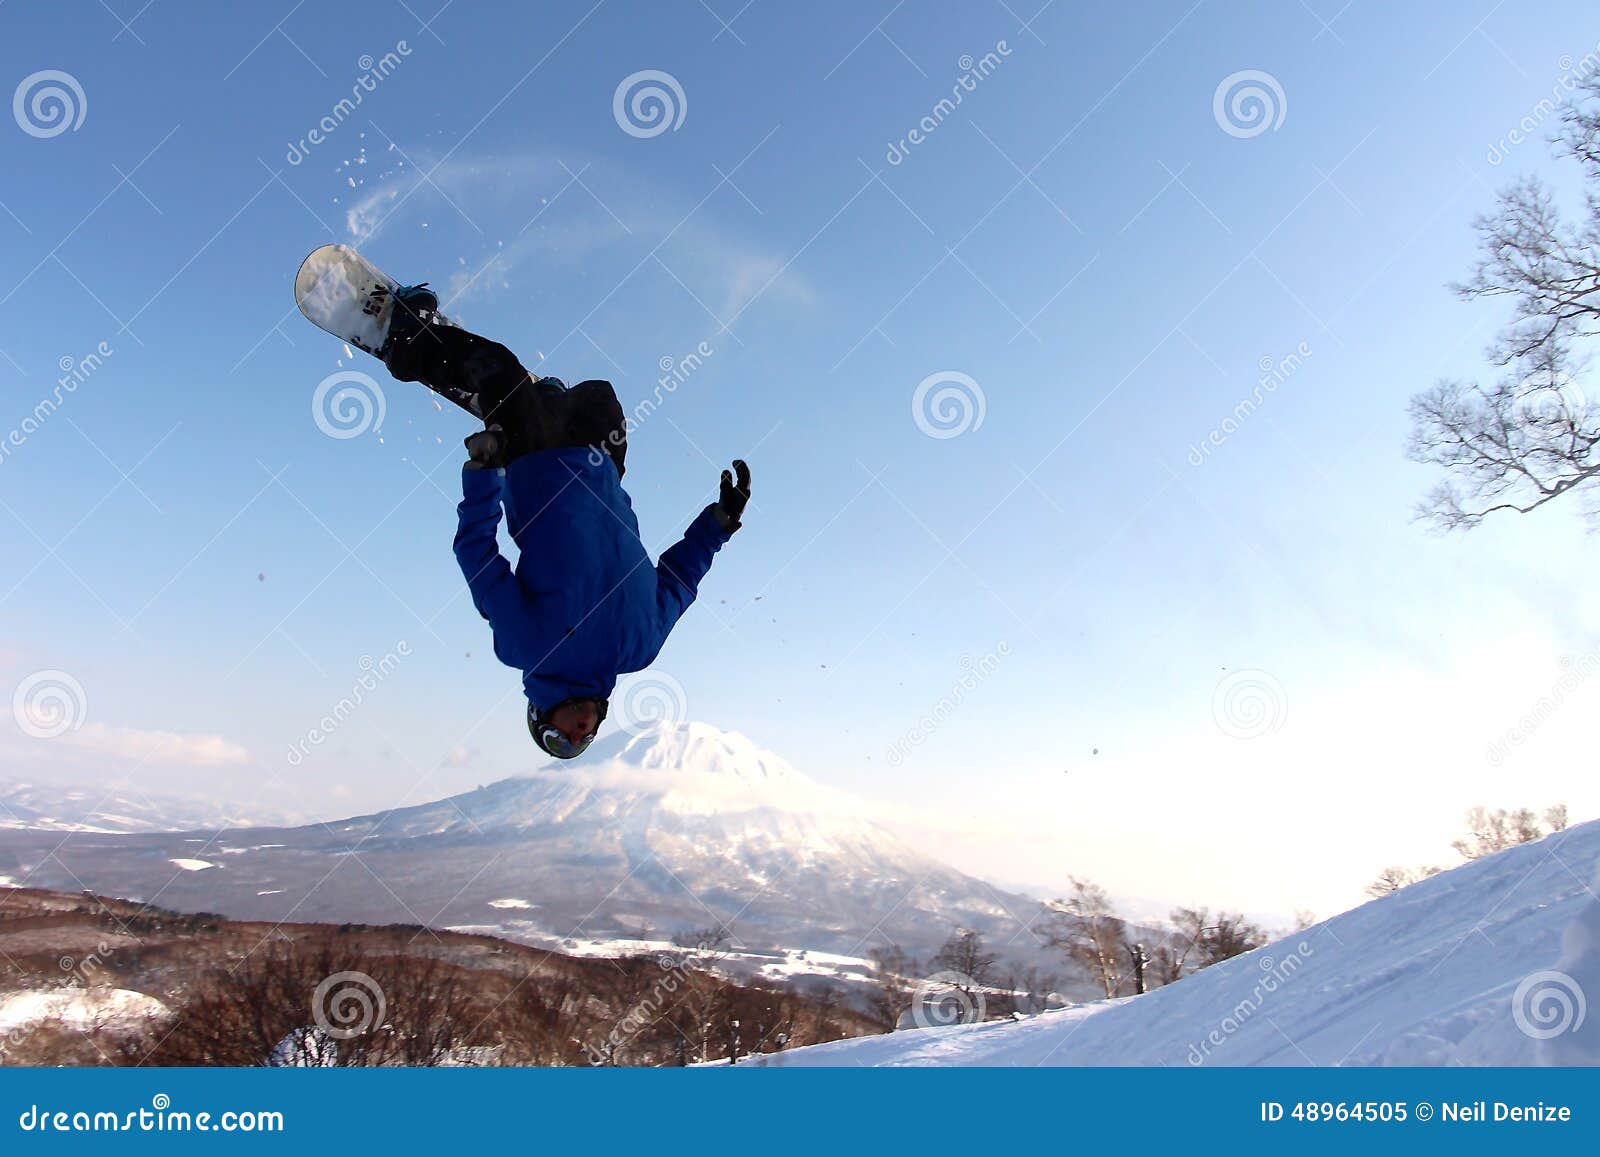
(1081, 238)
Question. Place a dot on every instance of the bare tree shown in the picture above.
(1531, 435)
(704, 939)
(965, 955)
(1083, 927)
(891, 994)
(1494, 831)
(324, 1005)
(1229, 935)
(1391, 880)
(1198, 939)
(1031, 990)
(1488, 831)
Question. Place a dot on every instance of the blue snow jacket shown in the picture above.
(584, 603)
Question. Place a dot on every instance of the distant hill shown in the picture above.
(84, 808)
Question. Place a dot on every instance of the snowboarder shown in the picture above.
(583, 604)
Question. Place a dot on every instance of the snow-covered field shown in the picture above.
(77, 1008)
(1495, 962)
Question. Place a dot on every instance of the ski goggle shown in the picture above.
(552, 740)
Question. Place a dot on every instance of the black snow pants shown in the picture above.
(485, 378)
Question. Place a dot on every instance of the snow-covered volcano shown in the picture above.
(675, 829)
(683, 770)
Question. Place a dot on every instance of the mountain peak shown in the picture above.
(697, 748)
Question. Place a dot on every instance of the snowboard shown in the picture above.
(344, 294)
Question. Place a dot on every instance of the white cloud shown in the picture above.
(159, 747)
(563, 212)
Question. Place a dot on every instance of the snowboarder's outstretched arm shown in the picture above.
(495, 590)
(684, 564)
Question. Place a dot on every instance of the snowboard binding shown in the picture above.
(414, 309)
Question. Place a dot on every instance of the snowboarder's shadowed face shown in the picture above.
(577, 719)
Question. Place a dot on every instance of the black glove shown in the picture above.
(486, 450)
(735, 494)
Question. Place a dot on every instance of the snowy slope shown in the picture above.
(78, 1008)
(1466, 968)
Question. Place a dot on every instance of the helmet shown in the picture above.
(551, 739)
